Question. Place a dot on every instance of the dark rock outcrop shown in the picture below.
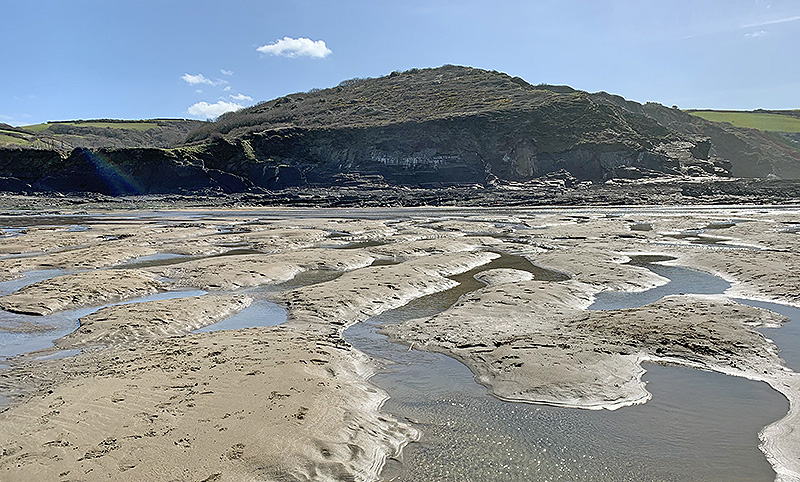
(29, 165)
(116, 172)
(12, 184)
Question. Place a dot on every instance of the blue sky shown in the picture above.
(130, 59)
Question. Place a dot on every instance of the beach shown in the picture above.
(129, 390)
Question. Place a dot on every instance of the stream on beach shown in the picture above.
(699, 425)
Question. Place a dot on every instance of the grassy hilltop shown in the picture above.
(67, 135)
(562, 118)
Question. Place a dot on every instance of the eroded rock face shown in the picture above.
(135, 171)
(451, 152)
(28, 165)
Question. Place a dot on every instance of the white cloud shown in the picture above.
(773, 22)
(297, 47)
(757, 33)
(194, 79)
(242, 98)
(204, 109)
(225, 72)
(198, 91)
(227, 89)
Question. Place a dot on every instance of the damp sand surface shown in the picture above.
(39, 332)
(165, 404)
(698, 426)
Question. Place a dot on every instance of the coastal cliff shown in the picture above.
(427, 128)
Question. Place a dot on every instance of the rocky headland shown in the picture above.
(424, 129)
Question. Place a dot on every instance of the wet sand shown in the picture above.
(147, 399)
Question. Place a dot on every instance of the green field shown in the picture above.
(137, 126)
(6, 139)
(35, 127)
(753, 120)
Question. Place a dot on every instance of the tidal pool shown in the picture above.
(787, 337)
(259, 313)
(40, 331)
(681, 281)
(28, 278)
(699, 426)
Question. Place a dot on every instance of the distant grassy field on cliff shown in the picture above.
(786, 121)
(97, 133)
(135, 125)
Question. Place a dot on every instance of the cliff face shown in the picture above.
(461, 151)
(28, 165)
(113, 172)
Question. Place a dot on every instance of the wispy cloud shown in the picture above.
(225, 72)
(227, 89)
(208, 111)
(194, 79)
(297, 47)
(241, 97)
(15, 121)
(738, 27)
(773, 22)
(198, 91)
(757, 33)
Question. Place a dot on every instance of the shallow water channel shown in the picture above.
(699, 426)
(41, 331)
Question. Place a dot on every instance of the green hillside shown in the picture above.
(134, 125)
(558, 118)
(774, 121)
(98, 133)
